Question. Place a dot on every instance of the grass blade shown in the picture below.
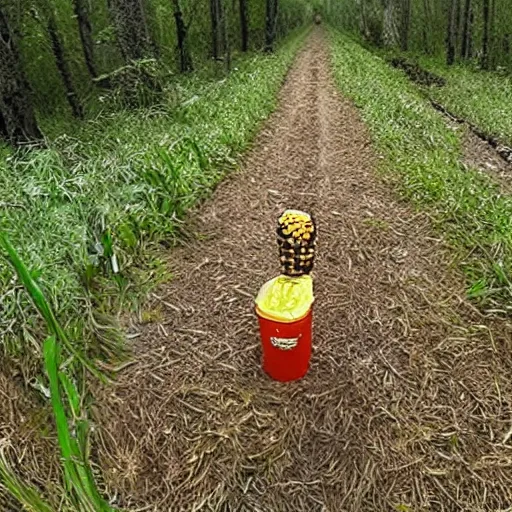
(76, 470)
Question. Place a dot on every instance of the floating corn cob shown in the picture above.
(296, 237)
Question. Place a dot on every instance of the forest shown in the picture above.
(69, 58)
(470, 31)
(151, 150)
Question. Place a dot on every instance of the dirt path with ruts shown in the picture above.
(407, 404)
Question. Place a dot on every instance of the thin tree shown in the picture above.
(85, 30)
(215, 25)
(506, 44)
(371, 20)
(471, 38)
(427, 26)
(390, 29)
(62, 64)
(458, 15)
(271, 24)
(492, 34)
(405, 24)
(225, 36)
(363, 24)
(466, 31)
(182, 32)
(244, 25)
(131, 25)
(486, 36)
(450, 36)
(17, 118)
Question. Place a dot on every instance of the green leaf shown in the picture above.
(39, 300)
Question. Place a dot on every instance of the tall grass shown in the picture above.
(484, 98)
(85, 211)
(27, 496)
(77, 471)
(425, 155)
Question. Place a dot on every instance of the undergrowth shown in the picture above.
(424, 154)
(70, 416)
(97, 199)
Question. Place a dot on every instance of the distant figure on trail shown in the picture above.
(318, 19)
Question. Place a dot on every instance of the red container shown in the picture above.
(286, 346)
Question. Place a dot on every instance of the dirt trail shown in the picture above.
(408, 401)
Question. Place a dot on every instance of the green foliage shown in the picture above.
(29, 21)
(29, 497)
(39, 300)
(78, 475)
(424, 155)
(139, 84)
(428, 25)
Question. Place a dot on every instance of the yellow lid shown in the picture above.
(286, 299)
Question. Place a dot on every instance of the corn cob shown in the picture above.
(296, 238)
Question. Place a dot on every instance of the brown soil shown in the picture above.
(408, 402)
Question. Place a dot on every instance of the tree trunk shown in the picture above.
(133, 36)
(427, 27)
(62, 66)
(466, 31)
(17, 118)
(181, 30)
(506, 45)
(485, 40)
(450, 37)
(492, 35)
(363, 25)
(215, 20)
(405, 25)
(390, 30)
(271, 25)
(244, 25)
(457, 24)
(225, 37)
(85, 29)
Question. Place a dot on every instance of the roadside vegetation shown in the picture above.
(87, 206)
(424, 154)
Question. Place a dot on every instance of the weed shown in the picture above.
(481, 97)
(77, 473)
(28, 496)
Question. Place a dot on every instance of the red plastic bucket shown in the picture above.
(286, 346)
